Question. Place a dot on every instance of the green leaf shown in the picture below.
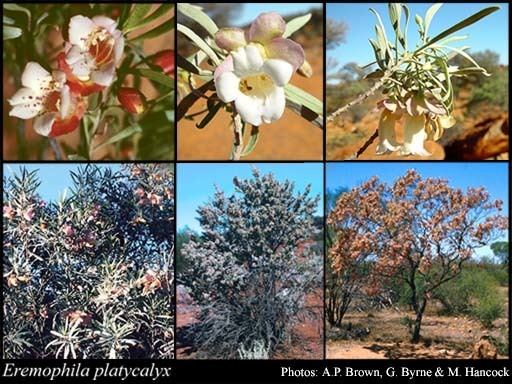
(421, 25)
(8, 20)
(166, 26)
(407, 16)
(430, 14)
(304, 98)
(76, 157)
(137, 14)
(195, 13)
(395, 15)
(381, 35)
(160, 11)
(200, 43)
(17, 8)
(125, 12)
(463, 54)
(124, 134)
(253, 140)
(460, 25)
(11, 32)
(295, 24)
(158, 77)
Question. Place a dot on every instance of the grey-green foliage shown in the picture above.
(90, 275)
(245, 271)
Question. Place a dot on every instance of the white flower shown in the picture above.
(260, 63)
(48, 99)
(96, 47)
(254, 84)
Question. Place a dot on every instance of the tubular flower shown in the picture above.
(48, 99)
(95, 48)
(258, 67)
(387, 123)
(165, 60)
(424, 120)
(132, 100)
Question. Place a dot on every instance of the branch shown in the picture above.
(362, 97)
(238, 143)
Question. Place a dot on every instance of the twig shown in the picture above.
(238, 143)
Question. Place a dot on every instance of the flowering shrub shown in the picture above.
(416, 83)
(249, 72)
(419, 231)
(90, 275)
(245, 271)
(101, 53)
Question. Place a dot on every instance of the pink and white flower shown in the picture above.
(260, 63)
(94, 50)
(47, 98)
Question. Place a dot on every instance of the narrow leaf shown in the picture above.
(137, 14)
(125, 133)
(166, 26)
(195, 13)
(158, 77)
(160, 11)
(295, 24)
(253, 140)
(463, 24)
(11, 32)
(430, 14)
(17, 8)
(213, 109)
(200, 43)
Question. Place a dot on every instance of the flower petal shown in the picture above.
(286, 49)
(279, 70)
(273, 105)
(26, 111)
(414, 136)
(118, 46)
(43, 124)
(230, 38)
(80, 63)
(387, 139)
(227, 86)
(249, 108)
(247, 60)
(34, 76)
(79, 29)
(23, 96)
(105, 75)
(65, 102)
(266, 27)
(225, 66)
(105, 22)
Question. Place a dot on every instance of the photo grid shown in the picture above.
(198, 183)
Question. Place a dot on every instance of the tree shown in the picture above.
(500, 250)
(419, 231)
(335, 33)
(90, 275)
(246, 271)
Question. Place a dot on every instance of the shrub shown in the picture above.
(90, 275)
(245, 271)
(489, 307)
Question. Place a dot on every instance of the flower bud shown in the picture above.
(132, 100)
(165, 60)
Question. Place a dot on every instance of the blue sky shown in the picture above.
(251, 10)
(491, 175)
(54, 178)
(489, 33)
(195, 183)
